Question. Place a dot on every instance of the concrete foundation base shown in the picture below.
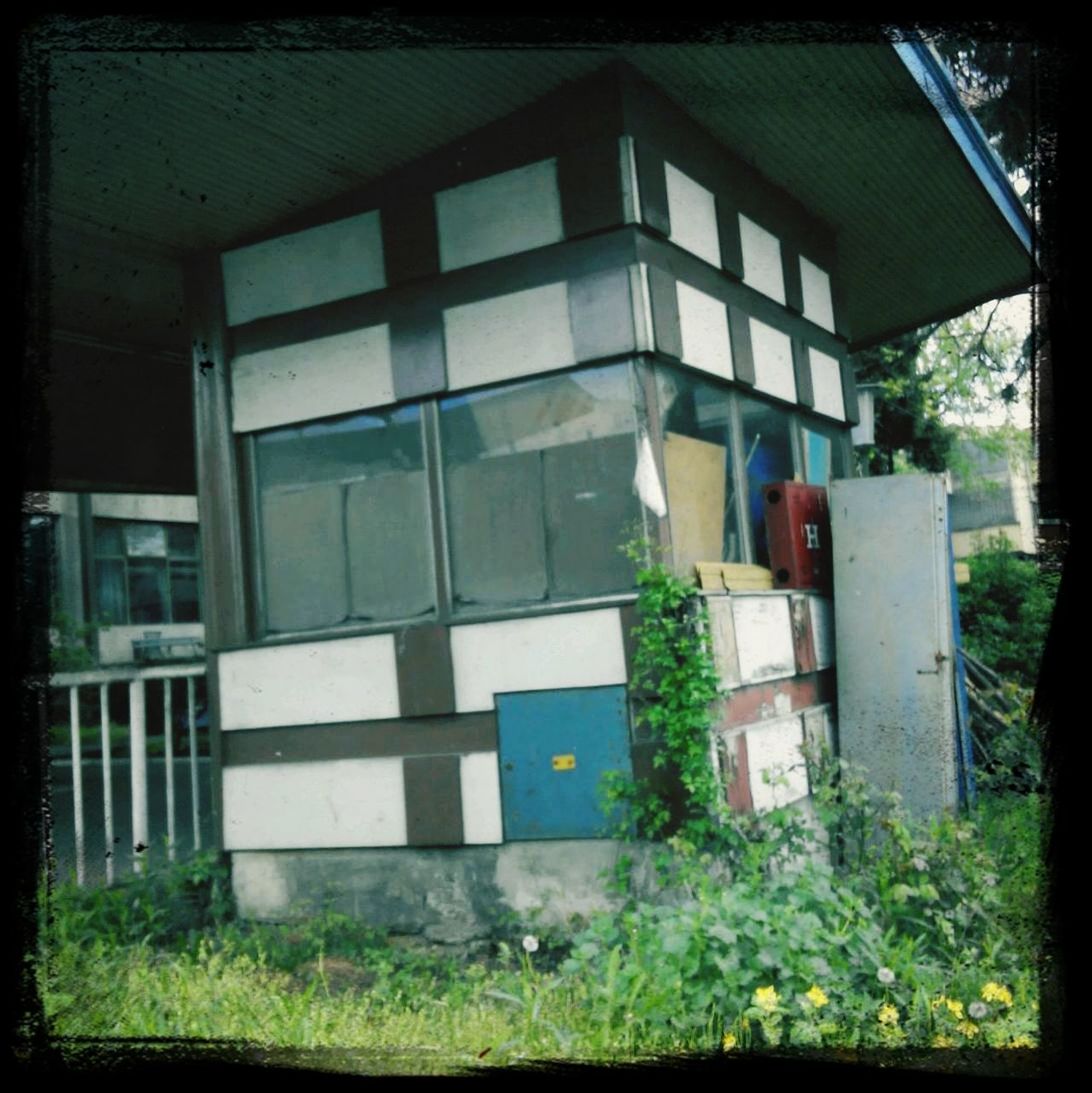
(447, 895)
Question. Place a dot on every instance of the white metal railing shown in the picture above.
(136, 678)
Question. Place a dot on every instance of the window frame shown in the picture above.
(643, 371)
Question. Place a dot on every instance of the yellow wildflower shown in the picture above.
(888, 1015)
(766, 999)
(943, 1041)
(816, 996)
(729, 1041)
(968, 1028)
(994, 992)
(1021, 1041)
(954, 1008)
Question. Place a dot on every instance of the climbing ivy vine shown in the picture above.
(673, 687)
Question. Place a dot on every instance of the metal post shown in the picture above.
(194, 782)
(168, 749)
(107, 782)
(138, 773)
(77, 780)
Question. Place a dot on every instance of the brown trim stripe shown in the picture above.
(589, 180)
(739, 785)
(434, 801)
(453, 735)
(665, 312)
(426, 680)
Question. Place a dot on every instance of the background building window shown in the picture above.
(146, 573)
(538, 479)
(344, 521)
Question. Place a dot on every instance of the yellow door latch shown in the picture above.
(564, 762)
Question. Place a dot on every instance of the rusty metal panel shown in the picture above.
(434, 805)
(801, 634)
(737, 777)
(893, 629)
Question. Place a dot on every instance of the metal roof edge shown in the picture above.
(929, 73)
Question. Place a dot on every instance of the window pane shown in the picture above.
(823, 454)
(110, 585)
(182, 540)
(148, 592)
(539, 485)
(701, 500)
(108, 538)
(185, 606)
(145, 541)
(767, 445)
(344, 520)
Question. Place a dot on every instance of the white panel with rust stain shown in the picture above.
(479, 783)
(761, 259)
(819, 728)
(310, 683)
(692, 210)
(775, 764)
(826, 385)
(314, 379)
(504, 337)
(328, 803)
(818, 305)
(822, 630)
(763, 626)
(703, 324)
(578, 649)
(772, 352)
(722, 631)
(506, 213)
(304, 268)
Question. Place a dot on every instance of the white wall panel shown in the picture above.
(143, 506)
(703, 322)
(502, 214)
(330, 803)
(519, 334)
(692, 210)
(580, 649)
(772, 352)
(774, 749)
(818, 305)
(311, 683)
(305, 268)
(479, 783)
(333, 375)
(761, 260)
(763, 626)
(826, 385)
(822, 630)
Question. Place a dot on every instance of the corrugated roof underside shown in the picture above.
(902, 199)
(155, 156)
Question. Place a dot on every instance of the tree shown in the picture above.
(950, 369)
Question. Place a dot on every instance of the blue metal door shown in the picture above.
(554, 747)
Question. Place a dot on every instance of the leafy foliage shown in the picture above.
(1005, 611)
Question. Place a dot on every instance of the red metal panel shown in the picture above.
(760, 702)
(798, 530)
(738, 778)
